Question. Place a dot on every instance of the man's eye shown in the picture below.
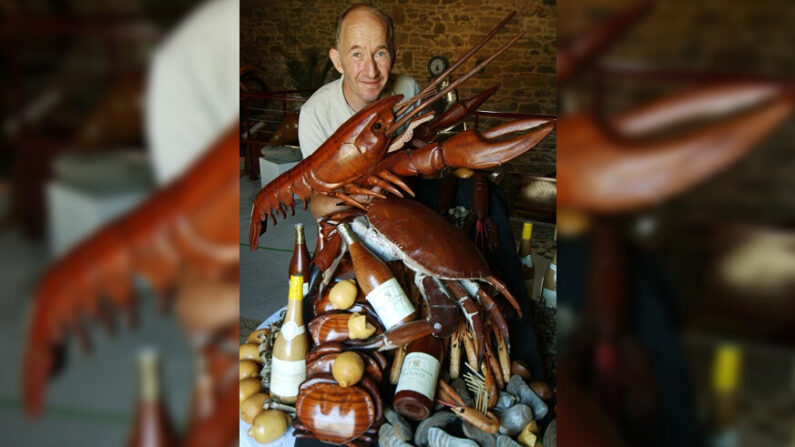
(381, 54)
(357, 54)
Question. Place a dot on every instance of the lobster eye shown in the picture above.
(377, 125)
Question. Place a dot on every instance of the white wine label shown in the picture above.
(419, 373)
(286, 375)
(290, 330)
(390, 303)
(528, 261)
(550, 297)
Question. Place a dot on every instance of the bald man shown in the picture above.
(364, 53)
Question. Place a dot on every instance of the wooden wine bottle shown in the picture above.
(418, 376)
(152, 426)
(526, 258)
(377, 282)
(288, 363)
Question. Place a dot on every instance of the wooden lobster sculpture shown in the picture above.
(183, 228)
(355, 157)
(450, 274)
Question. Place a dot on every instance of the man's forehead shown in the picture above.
(360, 25)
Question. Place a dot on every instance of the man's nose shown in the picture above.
(371, 68)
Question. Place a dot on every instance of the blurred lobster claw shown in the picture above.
(184, 225)
(605, 172)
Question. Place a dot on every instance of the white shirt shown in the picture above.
(194, 89)
(326, 110)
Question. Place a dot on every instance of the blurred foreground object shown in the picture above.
(184, 226)
(613, 169)
(152, 426)
(623, 373)
(183, 240)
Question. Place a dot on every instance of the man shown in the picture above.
(364, 53)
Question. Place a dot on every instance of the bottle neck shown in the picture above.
(295, 300)
(149, 377)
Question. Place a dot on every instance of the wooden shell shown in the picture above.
(333, 327)
(427, 239)
(332, 413)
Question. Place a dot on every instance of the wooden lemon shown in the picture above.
(258, 336)
(252, 406)
(250, 351)
(343, 294)
(359, 328)
(248, 388)
(248, 368)
(269, 426)
(348, 369)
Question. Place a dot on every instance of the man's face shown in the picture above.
(363, 57)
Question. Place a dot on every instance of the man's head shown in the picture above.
(363, 52)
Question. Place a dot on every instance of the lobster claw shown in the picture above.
(471, 149)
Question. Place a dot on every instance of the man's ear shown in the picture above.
(334, 55)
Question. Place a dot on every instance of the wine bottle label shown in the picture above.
(286, 375)
(290, 330)
(419, 373)
(527, 261)
(305, 289)
(550, 297)
(390, 303)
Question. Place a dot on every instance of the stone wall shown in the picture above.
(273, 32)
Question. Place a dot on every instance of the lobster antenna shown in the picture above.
(432, 84)
(452, 85)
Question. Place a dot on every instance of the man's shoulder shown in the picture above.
(324, 94)
(404, 85)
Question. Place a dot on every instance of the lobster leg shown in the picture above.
(442, 310)
(495, 315)
(471, 312)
